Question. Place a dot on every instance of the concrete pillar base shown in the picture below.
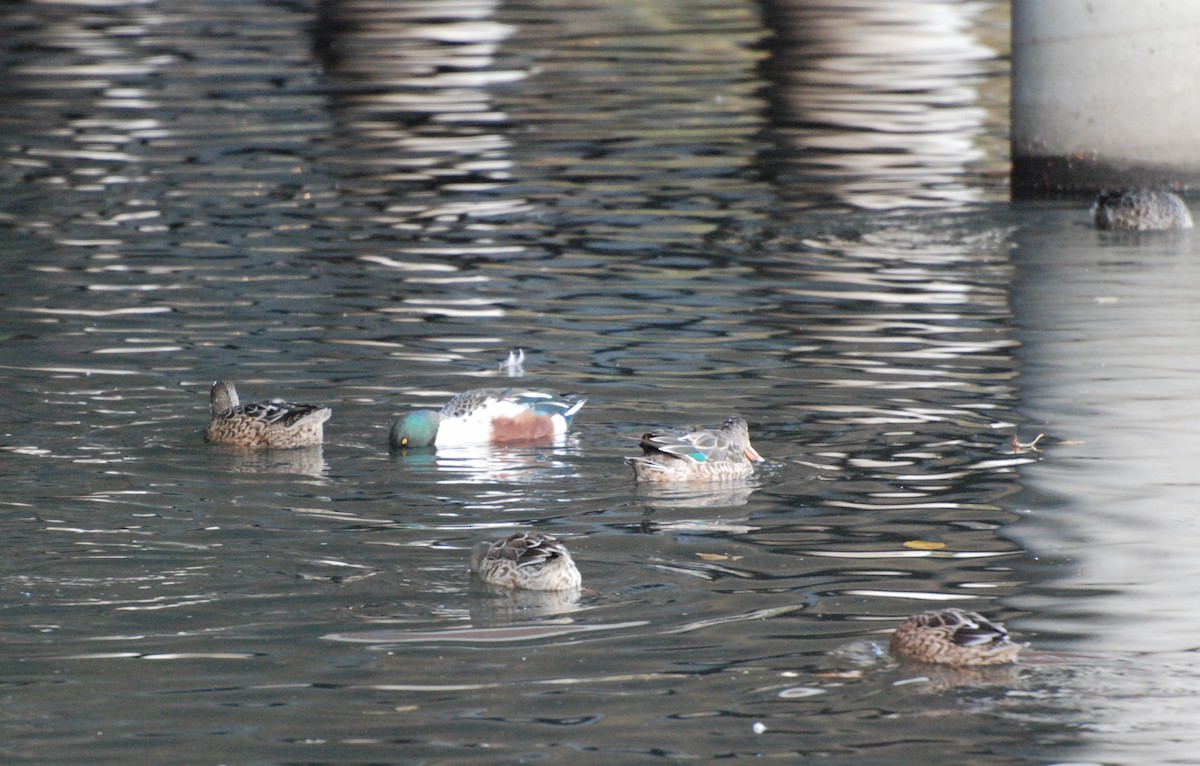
(1082, 177)
(1105, 95)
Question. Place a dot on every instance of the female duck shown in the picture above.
(276, 423)
(1140, 210)
(953, 637)
(487, 416)
(527, 561)
(702, 455)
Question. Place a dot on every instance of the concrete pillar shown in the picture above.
(1105, 94)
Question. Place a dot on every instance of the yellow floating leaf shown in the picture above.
(717, 557)
(924, 545)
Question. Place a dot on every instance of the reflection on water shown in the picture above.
(701, 495)
(364, 202)
(879, 102)
(1111, 369)
(304, 460)
(487, 635)
(543, 461)
(507, 606)
(410, 88)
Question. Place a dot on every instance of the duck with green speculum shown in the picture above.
(525, 561)
(487, 416)
(274, 425)
(953, 637)
(682, 455)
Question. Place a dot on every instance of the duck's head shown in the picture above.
(222, 397)
(416, 429)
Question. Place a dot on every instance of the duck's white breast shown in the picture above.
(476, 426)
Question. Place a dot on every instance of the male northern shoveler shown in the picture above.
(275, 423)
(701, 455)
(1140, 210)
(954, 637)
(527, 561)
(487, 416)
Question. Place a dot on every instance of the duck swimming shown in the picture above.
(677, 455)
(1140, 210)
(953, 637)
(527, 561)
(274, 424)
(487, 416)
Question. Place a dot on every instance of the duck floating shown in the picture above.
(954, 637)
(274, 424)
(682, 455)
(1140, 210)
(525, 561)
(487, 416)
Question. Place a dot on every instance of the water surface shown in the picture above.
(680, 211)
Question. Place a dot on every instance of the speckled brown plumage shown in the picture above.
(1140, 210)
(953, 637)
(525, 560)
(275, 424)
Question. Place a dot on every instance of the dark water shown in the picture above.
(680, 211)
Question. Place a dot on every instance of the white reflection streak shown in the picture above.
(884, 104)
(73, 370)
(405, 77)
(925, 298)
(99, 312)
(392, 263)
